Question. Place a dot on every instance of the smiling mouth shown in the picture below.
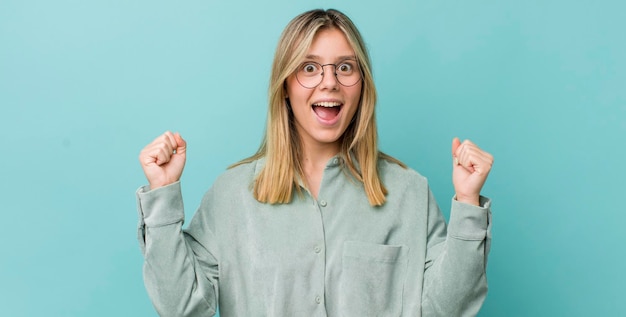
(327, 110)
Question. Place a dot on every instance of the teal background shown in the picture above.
(84, 85)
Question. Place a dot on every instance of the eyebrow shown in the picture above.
(338, 58)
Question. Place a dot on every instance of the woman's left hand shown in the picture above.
(471, 166)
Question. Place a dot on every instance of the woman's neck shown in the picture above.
(314, 160)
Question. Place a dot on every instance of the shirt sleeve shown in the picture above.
(180, 273)
(455, 282)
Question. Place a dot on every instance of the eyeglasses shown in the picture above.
(310, 74)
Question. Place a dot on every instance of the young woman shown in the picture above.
(318, 222)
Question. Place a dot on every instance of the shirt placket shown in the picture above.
(322, 205)
(319, 252)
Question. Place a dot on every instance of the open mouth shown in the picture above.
(327, 110)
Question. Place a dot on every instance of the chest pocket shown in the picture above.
(372, 279)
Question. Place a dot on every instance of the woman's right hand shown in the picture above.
(163, 160)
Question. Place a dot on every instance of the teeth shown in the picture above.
(327, 104)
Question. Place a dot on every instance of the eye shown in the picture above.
(346, 67)
(309, 68)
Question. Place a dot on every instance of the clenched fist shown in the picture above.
(470, 170)
(163, 160)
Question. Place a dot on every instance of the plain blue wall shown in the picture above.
(84, 85)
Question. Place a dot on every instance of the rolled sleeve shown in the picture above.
(469, 222)
(158, 207)
(162, 206)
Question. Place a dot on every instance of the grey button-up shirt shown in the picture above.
(334, 256)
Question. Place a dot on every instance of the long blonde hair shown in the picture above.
(281, 144)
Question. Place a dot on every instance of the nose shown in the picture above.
(329, 77)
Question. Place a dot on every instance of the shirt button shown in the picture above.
(336, 161)
(318, 299)
(318, 249)
(323, 203)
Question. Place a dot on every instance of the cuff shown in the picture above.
(469, 222)
(161, 206)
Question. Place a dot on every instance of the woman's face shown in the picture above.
(323, 113)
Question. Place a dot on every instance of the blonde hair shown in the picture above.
(281, 144)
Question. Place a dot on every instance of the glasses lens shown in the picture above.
(309, 74)
(348, 73)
